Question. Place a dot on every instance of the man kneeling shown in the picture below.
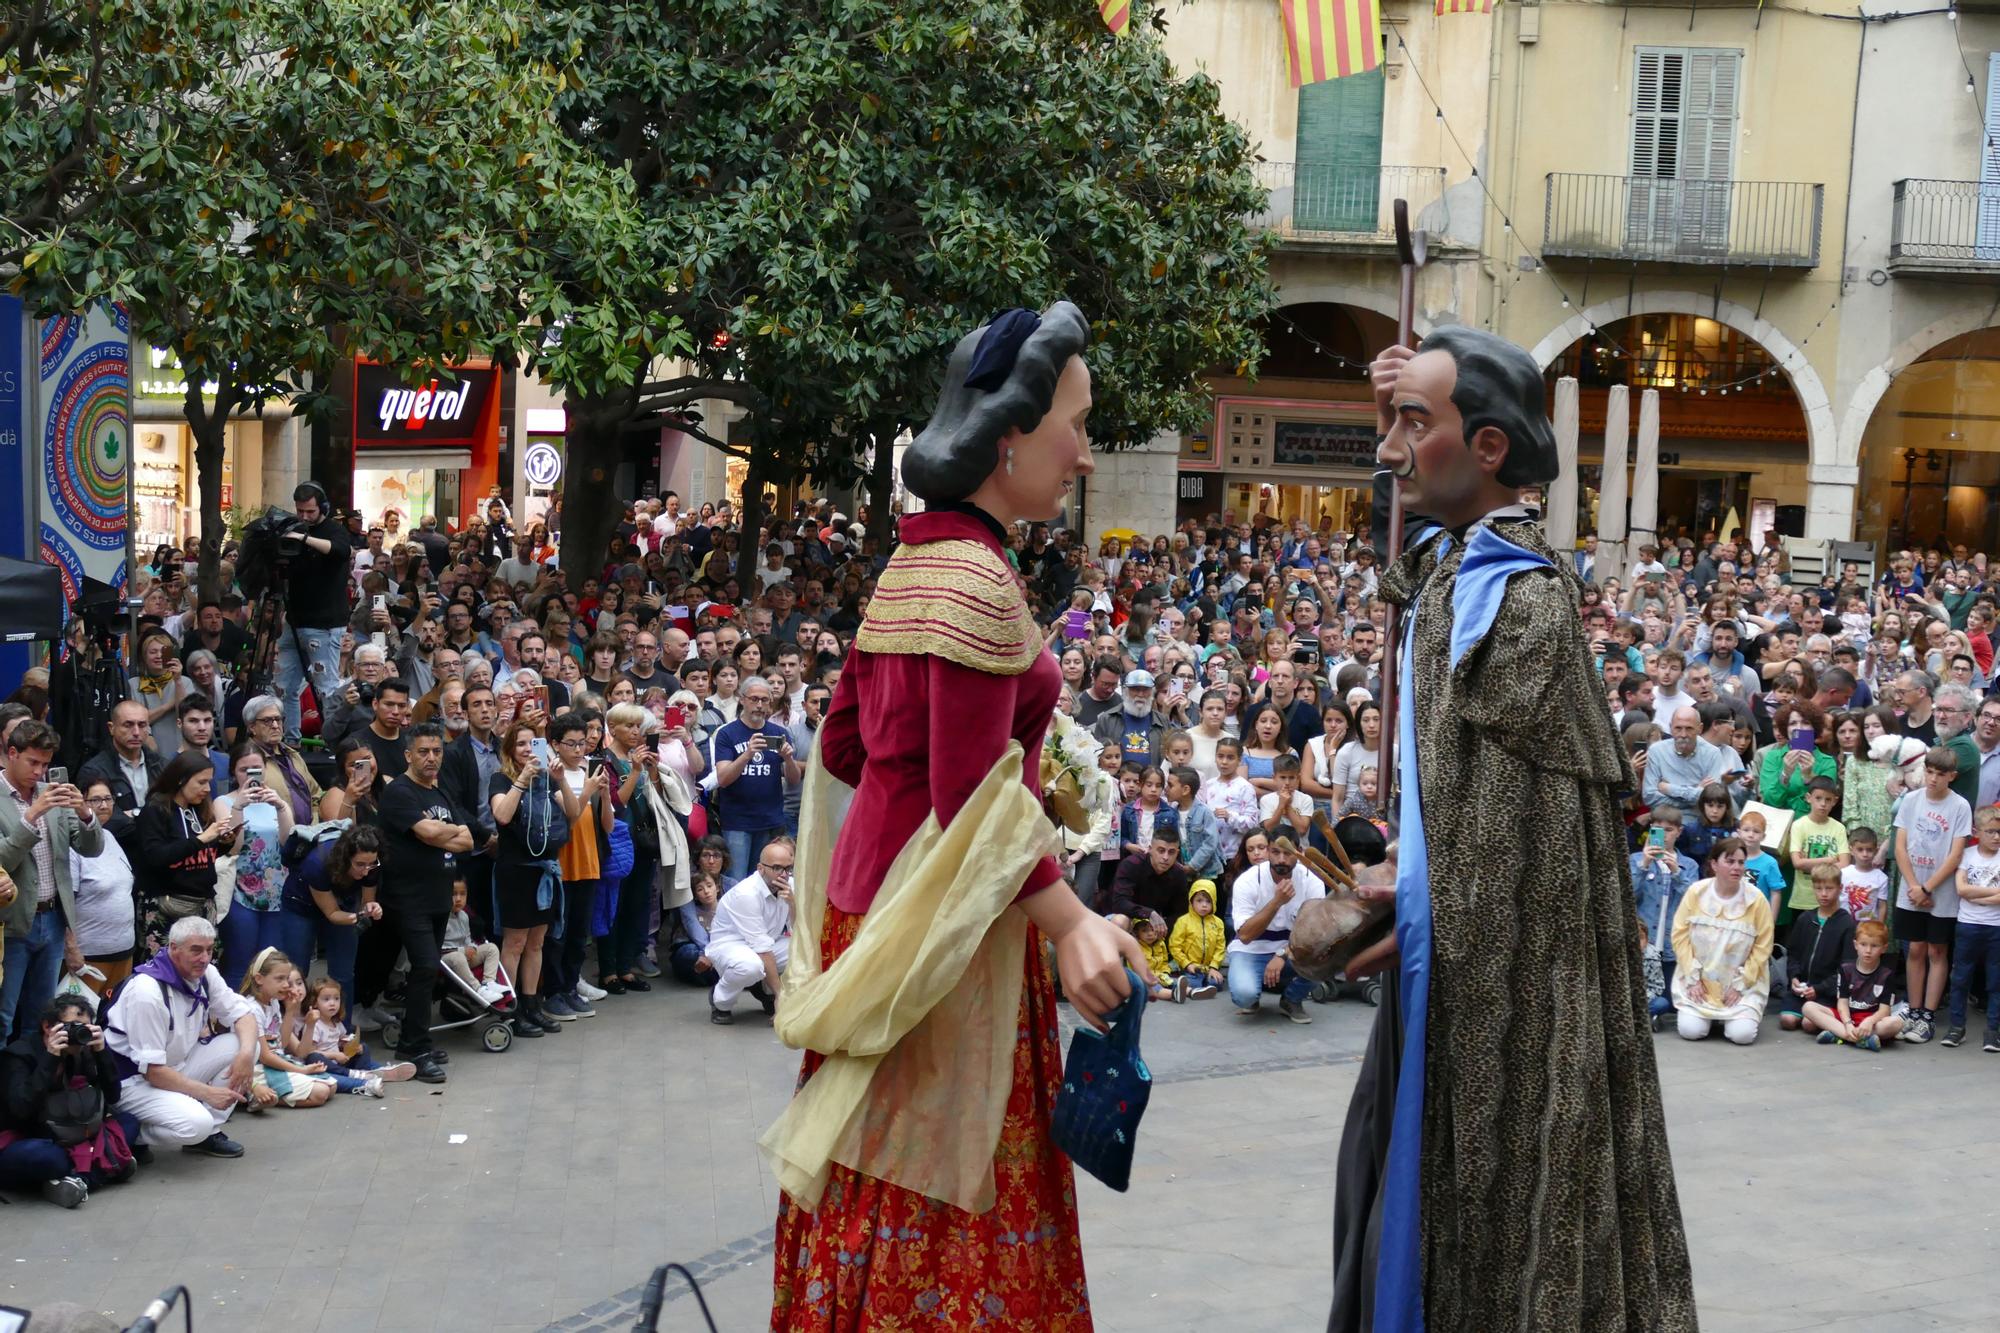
(749, 941)
(185, 1043)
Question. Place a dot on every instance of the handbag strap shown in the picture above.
(1125, 1025)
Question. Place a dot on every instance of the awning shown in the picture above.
(446, 460)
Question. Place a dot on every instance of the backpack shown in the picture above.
(305, 837)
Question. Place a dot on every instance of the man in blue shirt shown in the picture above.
(753, 758)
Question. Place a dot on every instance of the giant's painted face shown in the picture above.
(1442, 477)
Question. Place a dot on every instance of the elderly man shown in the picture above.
(750, 787)
(1954, 708)
(351, 707)
(749, 941)
(130, 765)
(180, 1083)
(1133, 728)
(41, 823)
(1679, 767)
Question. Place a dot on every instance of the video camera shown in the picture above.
(269, 543)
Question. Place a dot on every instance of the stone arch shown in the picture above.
(1868, 391)
(1821, 441)
(1316, 289)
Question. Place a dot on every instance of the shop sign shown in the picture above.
(162, 377)
(1339, 444)
(445, 411)
(1194, 485)
(542, 465)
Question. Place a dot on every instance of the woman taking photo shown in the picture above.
(263, 821)
(106, 922)
(532, 819)
(353, 797)
(179, 837)
(1722, 952)
(61, 1132)
(327, 898)
(640, 801)
(1795, 757)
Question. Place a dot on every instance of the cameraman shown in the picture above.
(316, 549)
(349, 707)
(58, 1099)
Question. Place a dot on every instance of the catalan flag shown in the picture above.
(1117, 14)
(1327, 39)
(1464, 6)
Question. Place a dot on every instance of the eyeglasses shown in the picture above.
(273, 720)
(571, 743)
(770, 869)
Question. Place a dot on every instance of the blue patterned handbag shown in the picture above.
(1104, 1091)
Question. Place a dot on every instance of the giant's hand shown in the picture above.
(1091, 953)
(1376, 883)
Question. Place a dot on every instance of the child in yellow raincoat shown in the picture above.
(1198, 946)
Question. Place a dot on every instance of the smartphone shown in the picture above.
(1076, 624)
(1803, 738)
(381, 602)
(1656, 837)
(542, 695)
(253, 777)
(57, 776)
(543, 754)
(674, 717)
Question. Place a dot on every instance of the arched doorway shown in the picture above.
(1930, 456)
(1298, 441)
(1733, 431)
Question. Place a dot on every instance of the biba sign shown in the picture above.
(452, 410)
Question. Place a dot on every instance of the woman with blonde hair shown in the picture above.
(531, 816)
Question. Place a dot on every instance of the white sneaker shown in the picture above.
(491, 992)
(372, 1088)
(590, 992)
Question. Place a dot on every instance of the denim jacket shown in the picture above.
(1652, 883)
(1128, 822)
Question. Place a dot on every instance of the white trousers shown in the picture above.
(1742, 1030)
(739, 967)
(174, 1119)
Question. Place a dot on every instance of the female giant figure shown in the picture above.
(921, 1186)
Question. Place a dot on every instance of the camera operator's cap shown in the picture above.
(1138, 679)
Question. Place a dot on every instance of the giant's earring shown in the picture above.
(1010, 460)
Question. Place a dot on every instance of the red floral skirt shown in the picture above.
(877, 1258)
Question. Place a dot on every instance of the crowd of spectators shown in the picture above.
(460, 777)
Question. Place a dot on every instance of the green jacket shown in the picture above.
(17, 858)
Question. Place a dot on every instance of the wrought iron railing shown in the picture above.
(1651, 220)
(1946, 221)
(1311, 200)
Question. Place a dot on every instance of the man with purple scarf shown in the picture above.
(185, 1043)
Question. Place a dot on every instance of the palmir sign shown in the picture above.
(452, 410)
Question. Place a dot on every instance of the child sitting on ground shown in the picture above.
(1199, 946)
(1821, 940)
(1759, 866)
(1861, 1014)
(1864, 886)
(477, 965)
(278, 1080)
(337, 1046)
(1151, 932)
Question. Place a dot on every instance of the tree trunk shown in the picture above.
(211, 437)
(590, 502)
(882, 483)
(750, 551)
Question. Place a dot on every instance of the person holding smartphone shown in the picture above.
(263, 820)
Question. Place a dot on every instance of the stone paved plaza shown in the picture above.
(538, 1188)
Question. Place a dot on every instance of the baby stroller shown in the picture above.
(457, 1005)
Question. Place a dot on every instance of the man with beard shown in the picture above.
(1540, 1193)
(1133, 727)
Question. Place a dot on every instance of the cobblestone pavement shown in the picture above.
(540, 1187)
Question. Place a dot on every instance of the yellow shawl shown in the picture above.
(918, 1017)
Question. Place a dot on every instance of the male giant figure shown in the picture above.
(1504, 1166)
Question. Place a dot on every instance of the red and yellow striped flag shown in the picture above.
(1327, 39)
(1464, 6)
(1117, 14)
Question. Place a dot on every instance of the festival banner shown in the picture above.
(82, 416)
(1117, 15)
(1464, 6)
(1330, 39)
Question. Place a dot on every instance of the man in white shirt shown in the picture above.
(180, 1087)
(1669, 665)
(1263, 904)
(750, 939)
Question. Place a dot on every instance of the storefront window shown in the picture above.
(1672, 352)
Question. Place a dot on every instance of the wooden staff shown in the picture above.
(1410, 247)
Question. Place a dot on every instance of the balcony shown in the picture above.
(1945, 229)
(1346, 208)
(1641, 220)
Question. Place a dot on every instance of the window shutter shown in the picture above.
(1683, 150)
(1337, 184)
(1987, 242)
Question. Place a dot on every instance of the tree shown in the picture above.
(388, 181)
(843, 187)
